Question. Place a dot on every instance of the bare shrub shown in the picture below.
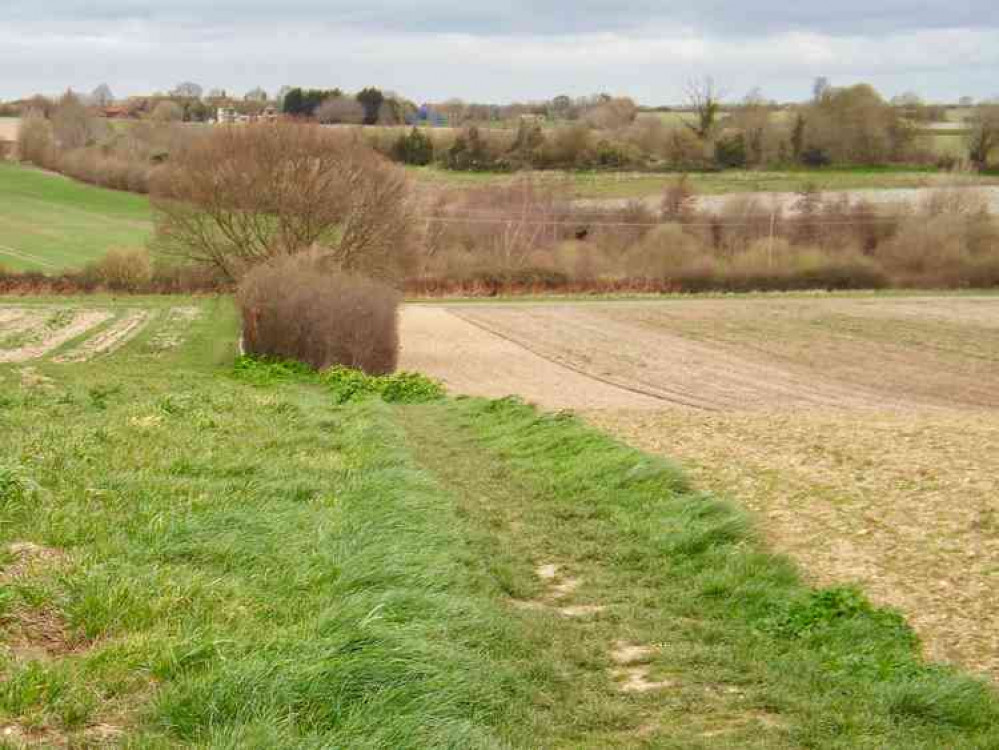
(124, 270)
(340, 110)
(73, 125)
(241, 196)
(34, 139)
(296, 308)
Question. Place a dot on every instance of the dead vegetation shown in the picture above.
(300, 308)
(522, 237)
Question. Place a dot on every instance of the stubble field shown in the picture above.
(863, 432)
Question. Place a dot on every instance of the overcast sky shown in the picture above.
(516, 50)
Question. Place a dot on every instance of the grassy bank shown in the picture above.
(49, 223)
(194, 558)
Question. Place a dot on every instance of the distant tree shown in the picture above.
(966, 101)
(256, 95)
(615, 113)
(909, 99)
(187, 90)
(854, 125)
(798, 136)
(34, 138)
(391, 112)
(167, 111)
(984, 137)
(752, 120)
(820, 88)
(40, 105)
(705, 101)
(71, 122)
(454, 111)
(293, 102)
(217, 94)
(371, 99)
(340, 111)
(304, 102)
(102, 96)
(561, 107)
(415, 148)
(281, 94)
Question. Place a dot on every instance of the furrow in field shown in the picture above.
(472, 361)
(80, 323)
(115, 336)
(672, 367)
(172, 330)
(939, 353)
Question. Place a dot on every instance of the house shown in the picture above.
(115, 113)
(226, 115)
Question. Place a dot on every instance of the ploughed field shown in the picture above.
(862, 431)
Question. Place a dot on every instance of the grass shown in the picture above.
(599, 185)
(229, 562)
(48, 222)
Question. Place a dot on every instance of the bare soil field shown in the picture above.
(863, 432)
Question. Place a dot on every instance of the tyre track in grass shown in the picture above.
(26, 257)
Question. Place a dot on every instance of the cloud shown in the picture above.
(441, 48)
(532, 17)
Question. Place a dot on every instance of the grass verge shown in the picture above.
(194, 560)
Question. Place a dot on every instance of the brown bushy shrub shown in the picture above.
(295, 307)
(124, 270)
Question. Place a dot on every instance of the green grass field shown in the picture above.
(190, 557)
(644, 185)
(49, 222)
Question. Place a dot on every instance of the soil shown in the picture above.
(111, 338)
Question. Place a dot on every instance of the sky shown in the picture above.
(500, 52)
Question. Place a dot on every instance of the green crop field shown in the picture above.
(49, 222)
(194, 554)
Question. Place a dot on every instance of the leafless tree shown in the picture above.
(102, 96)
(72, 125)
(167, 111)
(705, 101)
(187, 90)
(240, 196)
(617, 113)
(340, 110)
(984, 137)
